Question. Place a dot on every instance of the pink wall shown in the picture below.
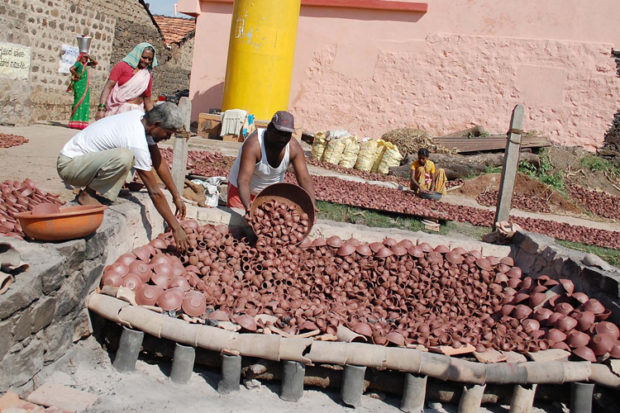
(462, 63)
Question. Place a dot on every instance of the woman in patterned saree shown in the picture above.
(130, 83)
(80, 82)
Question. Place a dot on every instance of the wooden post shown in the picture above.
(511, 160)
(179, 156)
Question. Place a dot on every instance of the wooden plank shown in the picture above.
(490, 143)
(179, 154)
(511, 163)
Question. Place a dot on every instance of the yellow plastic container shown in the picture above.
(261, 54)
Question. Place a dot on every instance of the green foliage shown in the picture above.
(597, 164)
(490, 169)
(545, 172)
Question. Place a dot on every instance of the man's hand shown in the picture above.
(180, 238)
(178, 202)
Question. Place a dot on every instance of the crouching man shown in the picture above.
(99, 158)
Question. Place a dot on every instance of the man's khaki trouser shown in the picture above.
(105, 171)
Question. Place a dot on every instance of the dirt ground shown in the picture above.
(525, 186)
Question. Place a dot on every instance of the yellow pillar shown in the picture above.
(261, 54)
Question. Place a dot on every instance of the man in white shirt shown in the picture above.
(99, 158)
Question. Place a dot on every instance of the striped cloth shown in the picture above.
(133, 58)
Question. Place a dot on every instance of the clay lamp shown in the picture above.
(475, 253)
(501, 278)
(170, 300)
(566, 324)
(615, 350)
(442, 249)
(194, 304)
(305, 244)
(159, 244)
(141, 269)
(416, 251)
(395, 338)
(435, 257)
(554, 319)
(246, 322)
(564, 308)
(484, 264)
(585, 353)
(537, 299)
(132, 281)
(530, 325)
(454, 258)
(502, 268)
(515, 272)
(334, 241)
(361, 328)
(555, 335)
(127, 259)
(376, 246)
(542, 314)
(521, 297)
(602, 344)
(577, 338)
(594, 306)
(112, 279)
(605, 327)
(143, 253)
(514, 282)
(219, 315)
(585, 320)
(363, 250)
(560, 345)
(405, 243)
(384, 252)
(148, 294)
(116, 268)
(161, 280)
(507, 261)
(507, 309)
(398, 250)
(568, 286)
(159, 259)
(379, 339)
(319, 242)
(580, 297)
(179, 282)
(425, 246)
(345, 250)
(521, 312)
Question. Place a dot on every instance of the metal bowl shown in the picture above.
(285, 192)
(435, 196)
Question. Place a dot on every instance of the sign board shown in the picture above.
(68, 58)
(14, 61)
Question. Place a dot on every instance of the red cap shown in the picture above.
(283, 121)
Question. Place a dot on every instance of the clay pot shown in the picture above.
(148, 294)
(577, 338)
(194, 304)
(116, 268)
(605, 327)
(179, 282)
(141, 269)
(361, 328)
(126, 259)
(219, 315)
(132, 281)
(170, 300)
(160, 280)
(602, 344)
(159, 244)
(585, 353)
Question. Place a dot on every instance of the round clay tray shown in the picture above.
(285, 192)
(70, 223)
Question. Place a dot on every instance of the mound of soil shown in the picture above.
(524, 187)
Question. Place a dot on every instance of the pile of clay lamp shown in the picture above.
(277, 223)
(522, 202)
(8, 140)
(20, 197)
(599, 203)
(390, 293)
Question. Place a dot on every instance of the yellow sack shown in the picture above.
(334, 149)
(318, 146)
(349, 155)
(366, 155)
(378, 155)
(391, 157)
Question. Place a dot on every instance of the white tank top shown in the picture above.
(264, 174)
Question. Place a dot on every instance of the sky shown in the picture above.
(165, 7)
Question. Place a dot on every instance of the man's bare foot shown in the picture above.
(86, 198)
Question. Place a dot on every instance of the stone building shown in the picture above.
(31, 45)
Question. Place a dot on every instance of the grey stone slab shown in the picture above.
(73, 251)
(610, 283)
(69, 294)
(22, 324)
(53, 276)
(22, 365)
(533, 243)
(91, 272)
(18, 297)
(57, 337)
(6, 337)
(525, 261)
(43, 313)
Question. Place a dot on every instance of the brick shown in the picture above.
(66, 398)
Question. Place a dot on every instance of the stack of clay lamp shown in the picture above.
(388, 293)
(20, 197)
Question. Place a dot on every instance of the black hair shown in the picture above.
(423, 152)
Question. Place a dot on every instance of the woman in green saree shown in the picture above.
(81, 91)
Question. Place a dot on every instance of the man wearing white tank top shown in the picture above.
(263, 160)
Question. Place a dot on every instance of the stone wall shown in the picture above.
(116, 27)
(613, 135)
(44, 310)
